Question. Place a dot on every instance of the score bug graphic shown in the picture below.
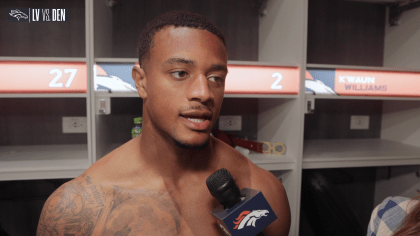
(18, 14)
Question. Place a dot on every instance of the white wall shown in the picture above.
(402, 42)
(282, 34)
(102, 28)
(396, 181)
(282, 40)
(400, 120)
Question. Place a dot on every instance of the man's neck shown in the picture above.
(173, 162)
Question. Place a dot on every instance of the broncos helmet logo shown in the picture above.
(18, 14)
(316, 86)
(249, 218)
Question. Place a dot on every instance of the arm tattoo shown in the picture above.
(80, 208)
(70, 210)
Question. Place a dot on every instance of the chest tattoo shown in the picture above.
(141, 212)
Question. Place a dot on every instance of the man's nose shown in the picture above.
(200, 90)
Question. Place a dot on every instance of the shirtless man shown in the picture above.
(155, 184)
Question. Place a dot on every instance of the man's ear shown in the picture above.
(140, 79)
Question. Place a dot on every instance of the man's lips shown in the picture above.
(196, 124)
(205, 115)
(197, 120)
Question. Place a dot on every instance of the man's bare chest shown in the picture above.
(151, 212)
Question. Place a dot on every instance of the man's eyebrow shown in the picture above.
(174, 60)
(220, 67)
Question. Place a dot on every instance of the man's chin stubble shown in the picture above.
(189, 146)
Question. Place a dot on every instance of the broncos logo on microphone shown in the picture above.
(248, 218)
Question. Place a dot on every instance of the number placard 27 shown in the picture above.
(54, 82)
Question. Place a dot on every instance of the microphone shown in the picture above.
(243, 212)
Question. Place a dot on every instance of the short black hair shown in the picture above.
(175, 18)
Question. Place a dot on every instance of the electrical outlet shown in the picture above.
(359, 122)
(233, 123)
(76, 124)
(310, 105)
(103, 106)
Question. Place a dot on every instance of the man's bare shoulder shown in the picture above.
(274, 192)
(228, 153)
(75, 207)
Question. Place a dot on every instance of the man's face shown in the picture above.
(185, 81)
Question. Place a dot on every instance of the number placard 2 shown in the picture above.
(276, 84)
(261, 79)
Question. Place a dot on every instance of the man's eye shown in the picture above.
(216, 79)
(179, 74)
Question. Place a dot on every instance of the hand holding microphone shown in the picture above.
(242, 212)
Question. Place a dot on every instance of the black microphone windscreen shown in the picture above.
(218, 179)
(223, 187)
